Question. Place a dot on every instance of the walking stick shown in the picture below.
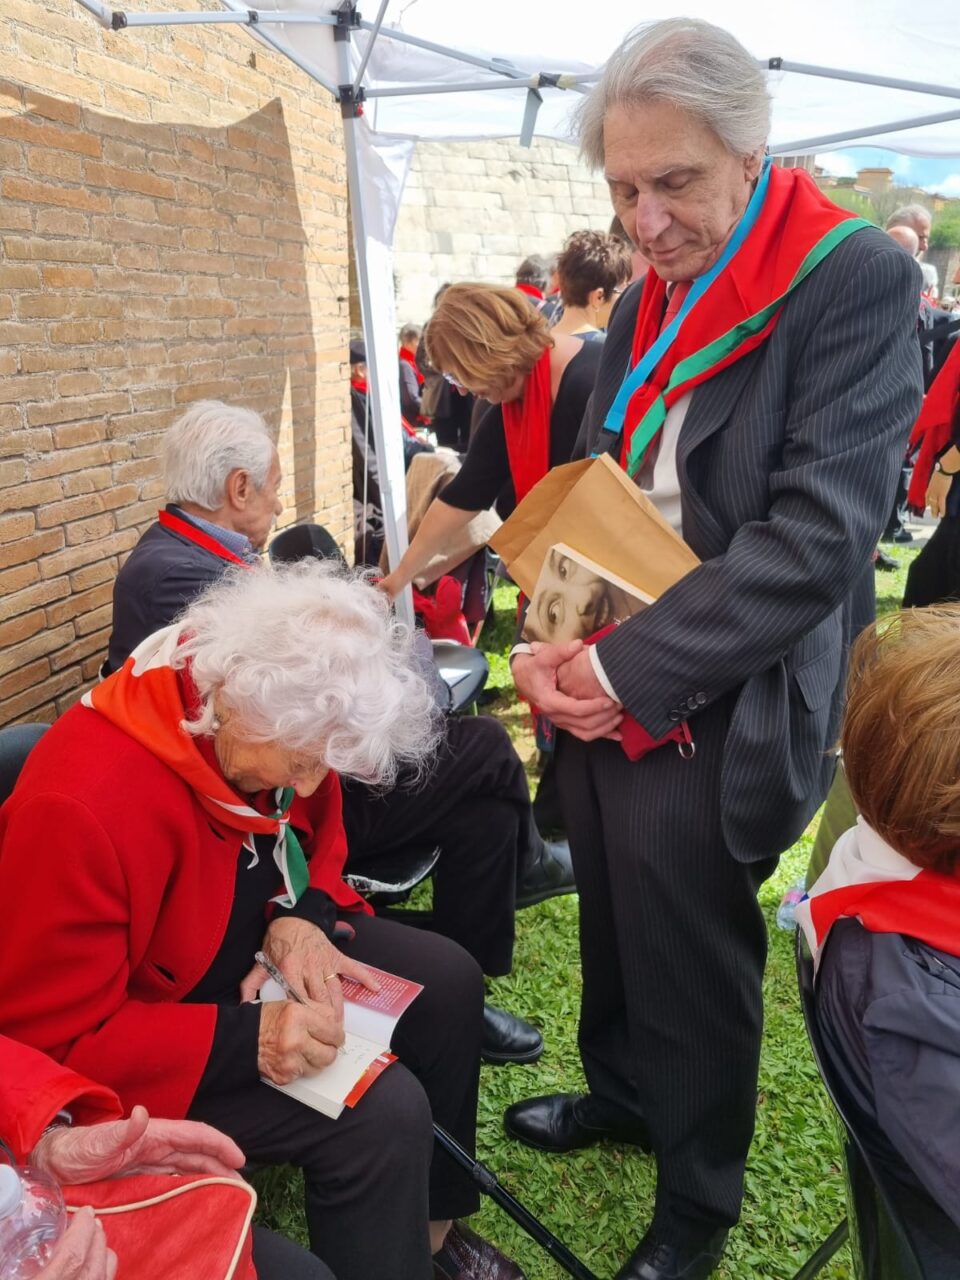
(488, 1183)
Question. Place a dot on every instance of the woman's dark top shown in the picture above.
(484, 477)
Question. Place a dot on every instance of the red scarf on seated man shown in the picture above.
(148, 699)
(793, 227)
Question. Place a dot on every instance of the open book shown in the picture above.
(369, 1019)
(575, 596)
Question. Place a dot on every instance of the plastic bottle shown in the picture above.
(32, 1220)
(787, 910)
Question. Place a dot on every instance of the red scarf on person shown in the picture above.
(934, 426)
(412, 362)
(796, 227)
(531, 291)
(526, 429)
(359, 384)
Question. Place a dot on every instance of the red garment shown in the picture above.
(531, 291)
(169, 520)
(359, 384)
(526, 429)
(115, 891)
(934, 426)
(411, 360)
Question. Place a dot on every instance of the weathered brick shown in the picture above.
(94, 644)
(25, 677)
(39, 694)
(70, 558)
(24, 549)
(20, 575)
(12, 188)
(79, 603)
(19, 525)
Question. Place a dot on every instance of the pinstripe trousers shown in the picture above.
(673, 946)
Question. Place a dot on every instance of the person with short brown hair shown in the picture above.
(489, 341)
(594, 269)
(883, 922)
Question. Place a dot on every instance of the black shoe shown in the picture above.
(657, 1260)
(903, 535)
(548, 876)
(508, 1039)
(467, 1256)
(883, 561)
(568, 1121)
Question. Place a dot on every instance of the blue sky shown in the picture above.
(938, 176)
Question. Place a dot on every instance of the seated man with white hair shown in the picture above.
(223, 478)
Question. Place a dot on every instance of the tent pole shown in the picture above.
(458, 55)
(849, 135)
(386, 443)
(374, 32)
(279, 45)
(860, 77)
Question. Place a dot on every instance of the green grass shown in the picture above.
(599, 1201)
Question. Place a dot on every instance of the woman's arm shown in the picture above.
(441, 523)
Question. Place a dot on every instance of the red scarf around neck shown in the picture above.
(526, 429)
(531, 291)
(795, 229)
(412, 362)
(934, 427)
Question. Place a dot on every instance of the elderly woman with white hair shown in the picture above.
(185, 815)
(758, 385)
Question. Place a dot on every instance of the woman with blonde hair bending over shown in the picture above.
(491, 342)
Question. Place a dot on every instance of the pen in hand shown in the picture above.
(266, 963)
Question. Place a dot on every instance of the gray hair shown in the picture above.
(206, 443)
(907, 216)
(695, 66)
(308, 656)
(537, 270)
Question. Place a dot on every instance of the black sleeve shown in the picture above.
(314, 906)
(232, 1063)
(486, 467)
(409, 393)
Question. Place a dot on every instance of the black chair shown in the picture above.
(301, 541)
(16, 743)
(880, 1240)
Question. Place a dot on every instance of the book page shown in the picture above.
(327, 1090)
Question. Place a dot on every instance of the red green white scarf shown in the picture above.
(146, 699)
(526, 429)
(867, 880)
(788, 228)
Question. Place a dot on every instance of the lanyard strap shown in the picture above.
(612, 432)
(198, 536)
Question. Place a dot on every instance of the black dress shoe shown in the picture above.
(656, 1260)
(883, 561)
(568, 1121)
(467, 1256)
(549, 875)
(508, 1039)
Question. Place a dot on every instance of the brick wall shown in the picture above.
(475, 210)
(172, 226)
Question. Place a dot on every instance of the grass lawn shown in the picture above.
(599, 1201)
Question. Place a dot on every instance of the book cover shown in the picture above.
(575, 597)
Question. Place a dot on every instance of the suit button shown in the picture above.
(701, 699)
(673, 714)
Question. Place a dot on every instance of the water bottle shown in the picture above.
(787, 910)
(32, 1220)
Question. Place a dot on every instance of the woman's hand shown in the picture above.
(390, 586)
(81, 1252)
(937, 491)
(540, 677)
(296, 1039)
(138, 1144)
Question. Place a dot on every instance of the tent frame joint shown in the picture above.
(118, 20)
(348, 19)
(775, 64)
(351, 99)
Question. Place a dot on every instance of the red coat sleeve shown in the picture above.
(33, 1088)
(76, 925)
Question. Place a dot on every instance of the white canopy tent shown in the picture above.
(445, 69)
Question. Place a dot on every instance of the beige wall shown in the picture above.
(474, 210)
(172, 226)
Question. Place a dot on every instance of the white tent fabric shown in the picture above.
(482, 46)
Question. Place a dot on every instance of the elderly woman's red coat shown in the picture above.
(115, 892)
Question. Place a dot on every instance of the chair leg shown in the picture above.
(818, 1260)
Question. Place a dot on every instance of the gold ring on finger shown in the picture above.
(328, 976)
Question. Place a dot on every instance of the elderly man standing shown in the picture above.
(771, 372)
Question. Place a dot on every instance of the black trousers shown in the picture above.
(673, 946)
(934, 576)
(476, 806)
(372, 1180)
(277, 1258)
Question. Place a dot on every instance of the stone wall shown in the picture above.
(172, 226)
(474, 210)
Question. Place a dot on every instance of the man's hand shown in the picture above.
(296, 1039)
(81, 1252)
(579, 704)
(136, 1145)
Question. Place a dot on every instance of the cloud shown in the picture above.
(837, 165)
(949, 186)
(901, 165)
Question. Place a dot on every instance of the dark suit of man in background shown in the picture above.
(768, 430)
(223, 471)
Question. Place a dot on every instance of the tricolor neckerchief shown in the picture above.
(934, 427)
(526, 429)
(145, 699)
(867, 880)
(176, 524)
(787, 229)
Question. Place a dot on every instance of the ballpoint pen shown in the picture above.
(266, 963)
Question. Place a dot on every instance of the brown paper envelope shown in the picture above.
(595, 508)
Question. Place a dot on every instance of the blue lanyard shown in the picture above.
(613, 424)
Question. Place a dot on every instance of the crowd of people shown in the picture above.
(751, 355)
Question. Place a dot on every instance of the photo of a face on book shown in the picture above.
(575, 597)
